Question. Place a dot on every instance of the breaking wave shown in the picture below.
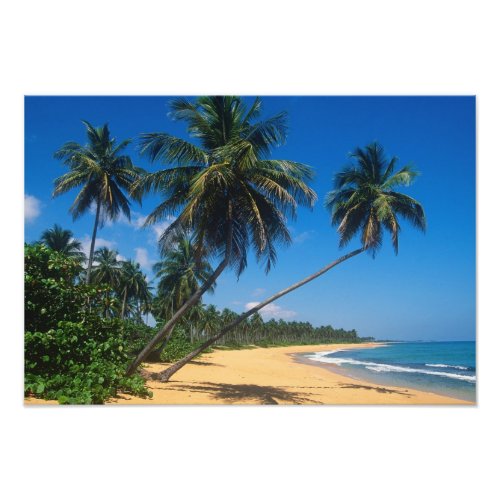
(381, 367)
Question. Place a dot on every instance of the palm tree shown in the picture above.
(108, 269)
(104, 175)
(211, 320)
(364, 202)
(230, 195)
(62, 241)
(180, 274)
(133, 284)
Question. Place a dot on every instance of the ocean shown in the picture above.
(446, 368)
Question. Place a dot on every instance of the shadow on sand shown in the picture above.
(237, 393)
(382, 390)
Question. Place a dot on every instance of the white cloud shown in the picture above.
(301, 237)
(258, 292)
(138, 220)
(156, 230)
(99, 242)
(272, 311)
(142, 257)
(32, 208)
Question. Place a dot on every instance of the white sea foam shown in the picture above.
(439, 365)
(380, 367)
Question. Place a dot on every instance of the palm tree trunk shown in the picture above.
(165, 375)
(166, 331)
(124, 302)
(92, 243)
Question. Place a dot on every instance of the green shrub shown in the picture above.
(71, 353)
(178, 346)
(136, 335)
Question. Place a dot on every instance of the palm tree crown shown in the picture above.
(108, 269)
(104, 175)
(364, 199)
(226, 188)
(101, 171)
(133, 285)
(180, 273)
(62, 241)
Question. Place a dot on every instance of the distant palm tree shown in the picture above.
(107, 269)
(364, 202)
(133, 284)
(230, 195)
(104, 175)
(180, 274)
(211, 320)
(62, 241)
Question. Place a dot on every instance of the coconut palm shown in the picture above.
(133, 284)
(104, 175)
(62, 241)
(180, 274)
(107, 269)
(211, 320)
(230, 195)
(363, 202)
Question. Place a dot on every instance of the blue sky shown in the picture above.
(426, 292)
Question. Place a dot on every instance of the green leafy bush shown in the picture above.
(136, 336)
(71, 353)
(178, 346)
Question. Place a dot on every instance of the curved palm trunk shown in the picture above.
(92, 243)
(165, 375)
(166, 331)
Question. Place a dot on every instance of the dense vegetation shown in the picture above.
(72, 352)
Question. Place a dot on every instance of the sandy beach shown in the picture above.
(272, 376)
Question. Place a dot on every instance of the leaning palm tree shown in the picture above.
(104, 175)
(62, 241)
(230, 195)
(364, 201)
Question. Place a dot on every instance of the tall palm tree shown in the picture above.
(133, 284)
(62, 241)
(364, 201)
(104, 175)
(230, 195)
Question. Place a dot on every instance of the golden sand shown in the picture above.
(272, 376)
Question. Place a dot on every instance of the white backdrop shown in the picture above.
(257, 47)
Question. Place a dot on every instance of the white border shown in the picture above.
(154, 47)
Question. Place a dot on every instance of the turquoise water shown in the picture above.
(447, 368)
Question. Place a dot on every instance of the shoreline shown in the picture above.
(271, 375)
(300, 357)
